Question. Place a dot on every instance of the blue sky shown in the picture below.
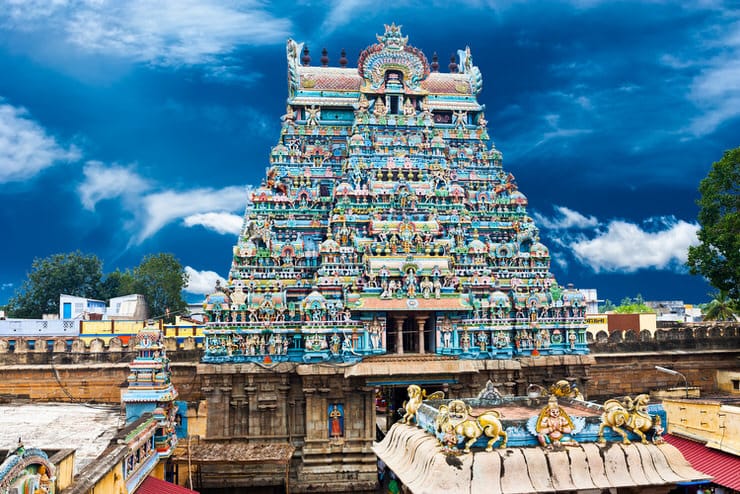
(133, 127)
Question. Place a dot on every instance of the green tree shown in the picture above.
(607, 306)
(72, 273)
(717, 257)
(161, 279)
(633, 306)
(118, 283)
(720, 308)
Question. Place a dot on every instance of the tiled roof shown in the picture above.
(156, 486)
(724, 467)
(417, 459)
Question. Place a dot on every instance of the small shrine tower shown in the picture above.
(150, 389)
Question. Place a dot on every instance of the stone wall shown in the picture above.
(670, 336)
(620, 374)
(59, 369)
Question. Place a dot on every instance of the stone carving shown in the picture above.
(632, 415)
(554, 427)
(457, 417)
(416, 397)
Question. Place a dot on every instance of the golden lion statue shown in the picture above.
(416, 397)
(631, 414)
(456, 418)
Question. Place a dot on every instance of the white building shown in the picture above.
(126, 308)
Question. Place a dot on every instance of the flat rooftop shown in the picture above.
(88, 429)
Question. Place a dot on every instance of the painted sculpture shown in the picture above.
(386, 211)
(554, 426)
(27, 470)
(466, 425)
(631, 415)
(416, 397)
(456, 419)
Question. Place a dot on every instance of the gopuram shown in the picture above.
(386, 246)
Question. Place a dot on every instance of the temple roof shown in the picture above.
(420, 463)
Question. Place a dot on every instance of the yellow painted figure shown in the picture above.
(554, 426)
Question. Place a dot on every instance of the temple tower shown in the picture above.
(385, 246)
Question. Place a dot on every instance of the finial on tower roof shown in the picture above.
(343, 58)
(392, 37)
(306, 58)
(324, 58)
(453, 65)
(435, 62)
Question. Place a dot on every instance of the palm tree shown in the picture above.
(721, 308)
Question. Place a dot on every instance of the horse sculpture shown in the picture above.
(416, 397)
(456, 419)
(630, 414)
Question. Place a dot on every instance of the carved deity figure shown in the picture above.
(482, 340)
(379, 110)
(465, 341)
(408, 108)
(313, 115)
(426, 287)
(376, 330)
(554, 426)
(336, 422)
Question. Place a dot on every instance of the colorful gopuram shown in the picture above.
(387, 225)
(386, 247)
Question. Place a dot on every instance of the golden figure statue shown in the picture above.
(554, 426)
(631, 414)
(416, 397)
(457, 418)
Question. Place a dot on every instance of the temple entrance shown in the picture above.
(410, 332)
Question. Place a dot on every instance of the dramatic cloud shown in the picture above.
(153, 207)
(161, 208)
(202, 282)
(627, 247)
(714, 89)
(566, 219)
(218, 222)
(108, 182)
(25, 147)
(166, 32)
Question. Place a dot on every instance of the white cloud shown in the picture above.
(715, 90)
(566, 219)
(343, 12)
(25, 146)
(202, 282)
(108, 182)
(627, 247)
(555, 131)
(167, 32)
(152, 207)
(161, 208)
(218, 222)
(173, 31)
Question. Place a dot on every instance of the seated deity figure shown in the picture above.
(408, 108)
(554, 425)
(379, 110)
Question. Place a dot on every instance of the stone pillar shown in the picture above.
(421, 321)
(399, 335)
